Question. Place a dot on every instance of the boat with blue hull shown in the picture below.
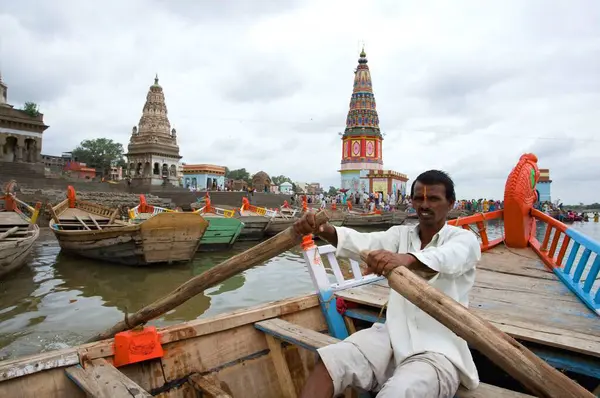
(537, 283)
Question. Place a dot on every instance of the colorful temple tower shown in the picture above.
(362, 156)
(153, 153)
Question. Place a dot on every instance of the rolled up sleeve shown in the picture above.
(457, 255)
(351, 243)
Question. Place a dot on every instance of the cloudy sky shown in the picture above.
(463, 86)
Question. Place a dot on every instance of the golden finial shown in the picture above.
(363, 54)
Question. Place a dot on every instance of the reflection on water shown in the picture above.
(59, 300)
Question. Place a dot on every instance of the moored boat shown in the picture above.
(223, 228)
(369, 220)
(222, 232)
(18, 230)
(94, 231)
(269, 350)
(255, 219)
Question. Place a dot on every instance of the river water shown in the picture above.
(57, 300)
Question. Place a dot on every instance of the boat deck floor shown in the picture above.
(11, 219)
(71, 213)
(517, 294)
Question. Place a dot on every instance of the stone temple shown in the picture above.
(20, 132)
(153, 153)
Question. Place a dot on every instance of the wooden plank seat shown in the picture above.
(99, 379)
(12, 219)
(283, 331)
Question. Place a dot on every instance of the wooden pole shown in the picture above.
(514, 358)
(8, 233)
(266, 250)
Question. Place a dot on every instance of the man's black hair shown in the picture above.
(432, 177)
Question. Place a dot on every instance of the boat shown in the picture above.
(221, 234)
(376, 219)
(254, 224)
(223, 228)
(535, 287)
(90, 230)
(255, 219)
(18, 230)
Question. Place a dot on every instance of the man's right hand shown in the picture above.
(307, 224)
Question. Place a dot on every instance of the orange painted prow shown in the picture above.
(519, 196)
(143, 204)
(137, 345)
(71, 196)
(245, 203)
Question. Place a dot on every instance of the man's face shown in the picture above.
(430, 203)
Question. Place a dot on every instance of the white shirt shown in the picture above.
(453, 253)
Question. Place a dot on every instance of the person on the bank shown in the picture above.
(412, 354)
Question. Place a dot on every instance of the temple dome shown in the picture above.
(261, 181)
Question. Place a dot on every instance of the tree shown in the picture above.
(332, 191)
(278, 180)
(238, 174)
(101, 153)
(32, 109)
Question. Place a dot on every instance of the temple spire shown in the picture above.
(362, 114)
(153, 153)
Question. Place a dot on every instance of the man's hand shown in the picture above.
(382, 262)
(307, 224)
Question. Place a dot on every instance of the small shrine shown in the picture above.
(20, 131)
(261, 182)
(362, 142)
(153, 153)
(200, 177)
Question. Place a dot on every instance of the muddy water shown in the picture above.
(59, 301)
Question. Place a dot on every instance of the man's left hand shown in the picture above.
(382, 262)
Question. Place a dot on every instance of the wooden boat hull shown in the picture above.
(276, 225)
(14, 252)
(221, 233)
(164, 238)
(227, 346)
(370, 221)
(254, 228)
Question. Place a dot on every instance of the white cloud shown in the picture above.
(463, 86)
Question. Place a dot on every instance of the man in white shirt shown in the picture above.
(412, 354)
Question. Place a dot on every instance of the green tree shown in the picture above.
(332, 191)
(100, 153)
(32, 109)
(278, 180)
(238, 174)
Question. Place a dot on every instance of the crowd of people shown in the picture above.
(390, 202)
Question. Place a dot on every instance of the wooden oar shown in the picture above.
(82, 223)
(8, 233)
(266, 250)
(94, 221)
(514, 358)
